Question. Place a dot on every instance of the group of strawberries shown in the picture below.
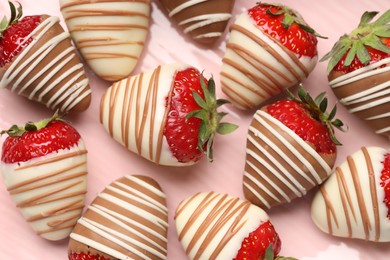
(181, 105)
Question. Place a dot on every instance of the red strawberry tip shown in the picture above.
(318, 110)
(355, 45)
(16, 13)
(30, 126)
(211, 119)
(290, 17)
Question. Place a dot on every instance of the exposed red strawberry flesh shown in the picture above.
(83, 256)
(182, 134)
(376, 55)
(255, 245)
(294, 38)
(293, 115)
(14, 38)
(385, 182)
(55, 136)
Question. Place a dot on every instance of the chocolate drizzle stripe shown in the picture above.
(67, 207)
(112, 98)
(164, 121)
(273, 52)
(186, 4)
(154, 85)
(222, 209)
(77, 13)
(256, 78)
(234, 94)
(68, 225)
(359, 194)
(345, 198)
(262, 116)
(373, 192)
(82, 2)
(330, 211)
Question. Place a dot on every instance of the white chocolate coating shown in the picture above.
(257, 67)
(212, 225)
(127, 220)
(50, 190)
(350, 203)
(134, 111)
(22, 73)
(280, 165)
(109, 34)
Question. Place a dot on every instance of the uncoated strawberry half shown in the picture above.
(110, 35)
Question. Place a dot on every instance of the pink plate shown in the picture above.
(108, 160)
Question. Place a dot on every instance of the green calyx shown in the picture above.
(367, 34)
(290, 17)
(211, 119)
(16, 13)
(317, 108)
(270, 255)
(15, 130)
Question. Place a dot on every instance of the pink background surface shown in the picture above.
(107, 160)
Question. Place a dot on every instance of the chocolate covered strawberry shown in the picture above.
(270, 48)
(291, 148)
(168, 115)
(127, 220)
(203, 21)
(38, 61)
(211, 225)
(109, 35)
(355, 201)
(44, 168)
(358, 71)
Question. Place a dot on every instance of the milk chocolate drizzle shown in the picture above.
(351, 190)
(263, 77)
(225, 209)
(127, 220)
(60, 186)
(280, 166)
(105, 31)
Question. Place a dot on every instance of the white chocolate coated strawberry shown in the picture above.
(134, 111)
(50, 190)
(109, 34)
(350, 203)
(256, 67)
(211, 225)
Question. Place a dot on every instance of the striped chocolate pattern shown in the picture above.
(50, 190)
(48, 70)
(110, 34)
(257, 67)
(212, 225)
(127, 220)
(204, 20)
(280, 166)
(366, 93)
(350, 203)
(134, 111)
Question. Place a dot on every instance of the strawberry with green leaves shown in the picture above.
(270, 48)
(167, 115)
(212, 225)
(358, 71)
(291, 148)
(38, 61)
(44, 168)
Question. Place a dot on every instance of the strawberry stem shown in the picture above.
(15, 131)
(16, 13)
(211, 118)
